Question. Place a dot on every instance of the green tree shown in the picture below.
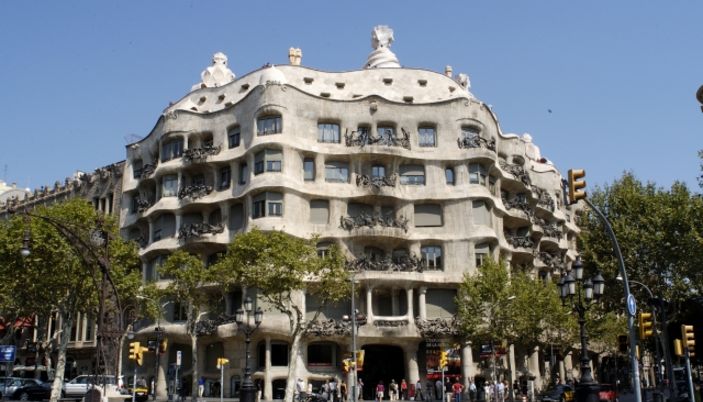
(660, 234)
(282, 267)
(187, 277)
(61, 273)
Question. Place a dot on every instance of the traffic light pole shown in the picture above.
(630, 305)
(691, 395)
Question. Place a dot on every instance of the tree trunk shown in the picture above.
(64, 335)
(293, 363)
(194, 379)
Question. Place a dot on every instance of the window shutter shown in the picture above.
(319, 211)
(428, 215)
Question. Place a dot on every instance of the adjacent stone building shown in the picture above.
(403, 168)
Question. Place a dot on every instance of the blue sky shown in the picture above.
(81, 79)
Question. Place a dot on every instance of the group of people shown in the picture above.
(331, 390)
(452, 389)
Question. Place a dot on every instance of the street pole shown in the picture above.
(157, 356)
(222, 382)
(134, 383)
(353, 333)
(632, 310)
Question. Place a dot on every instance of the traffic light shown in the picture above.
(139, 356)
(134, 350)
(163, 346)
(443, 359)
(222, 361)
(688, 339)
(347, 365)
(575, 185)
(645, 325)
(360, 359)
(678, 349)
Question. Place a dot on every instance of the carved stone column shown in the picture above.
(568, 368)
(468, 369)
(421, 303)
(411, 366)
(534, 367)
(369, 305)
(268, 385)
(409, 300)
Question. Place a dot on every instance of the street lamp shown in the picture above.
(580, 298)
(248, 391)
(357, 318)
(94, 251)
(159, 333)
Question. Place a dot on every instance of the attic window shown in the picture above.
(356, 95)
(423, 83)
(221, 98)
(388, 81)
(452, 89)
(195, 109)
(325, 94)
(408, 99)
(245, 87)
(308, 80)
(340, 85)
(228, 104)
(202, 100)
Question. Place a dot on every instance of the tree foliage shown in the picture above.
(281, 267)
(660, 234)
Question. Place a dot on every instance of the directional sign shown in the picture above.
(631, 305)
(7, 353)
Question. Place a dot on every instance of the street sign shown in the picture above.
(7, 353)
(178, 358)
(631, 305)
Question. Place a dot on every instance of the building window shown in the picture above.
(378, 171)
(309, 169)
(427, 136)
(267, 204)
(322, 354)
(236, 216)
(469, 134)
(243, 173)
(234, 136)
(327, 132)
(432, 257)
(323, 248)
(169, 185)
(337, 172)
(412, 175)
(481, 213)
(386, 133)
(171, 149)
(428, 215)
(482, 251)
(225, 177)
(319, 211)
(449, 175)
(477, 174)
(269, 125)
(137, 168)
(268, 160)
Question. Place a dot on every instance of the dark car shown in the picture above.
(558, 393)
(31, 390)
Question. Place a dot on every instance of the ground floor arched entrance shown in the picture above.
(381, 363)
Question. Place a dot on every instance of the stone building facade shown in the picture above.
(402, 168)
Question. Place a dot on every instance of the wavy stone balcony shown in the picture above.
(365, 220)
(196, 155)
(376, 182)
(193, 192)
(544, 200)
(387, 139)
(517, 171)
(519, 241)
(437, 328)
(520, 204)
(476, 142)
(409, 263)
(553, 260)
(193, 231)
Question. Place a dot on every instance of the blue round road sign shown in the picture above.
(631, 305)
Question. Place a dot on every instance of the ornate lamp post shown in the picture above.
(580, 298)
(248, 391)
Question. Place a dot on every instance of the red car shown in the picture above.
(607, 393)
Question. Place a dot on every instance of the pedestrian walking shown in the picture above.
(343, 391)
(448, 390)
(380, 391)
(418, 391)
(360, 389)
(393, 390)
(457, 389)
(403, 390)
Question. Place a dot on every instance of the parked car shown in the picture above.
(31, 389)
(558, 393)
(79, 386)
(8, 385)
(607, 393)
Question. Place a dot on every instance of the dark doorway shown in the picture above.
(381, 363)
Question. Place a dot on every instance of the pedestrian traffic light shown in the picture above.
(575, 185)
(222, 361)
(360, 359)
(688, 339)
(645, 325)
(134, 349)
(678, 348)
(163, 346)
(622, 343)
(347, 365)
(443, 359)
